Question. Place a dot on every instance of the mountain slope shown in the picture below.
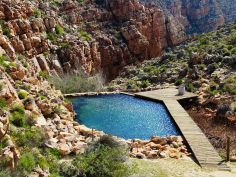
(198, 16)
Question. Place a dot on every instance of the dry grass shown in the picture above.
(176, 168)
(77, 83)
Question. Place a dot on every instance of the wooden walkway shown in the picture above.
(202, 149)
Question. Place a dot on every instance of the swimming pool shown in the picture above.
(124, 116)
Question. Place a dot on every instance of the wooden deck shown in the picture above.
(202, 149)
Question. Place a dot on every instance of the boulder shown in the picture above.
(163, 155)
(63, 148)
(43, 63)
(140, 155)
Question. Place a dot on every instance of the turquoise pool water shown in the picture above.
(124, 116)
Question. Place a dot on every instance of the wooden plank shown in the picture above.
(202, 149)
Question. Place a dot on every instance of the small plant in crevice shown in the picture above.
(59, 29)
(57, 109)
(44, 74)
(5, 29)
(84, 35)
(37, 13)
(22, 94)
(3, 61)
(1, 86)
(3, 103)
(52, 37)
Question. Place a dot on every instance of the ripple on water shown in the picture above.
(124, 116)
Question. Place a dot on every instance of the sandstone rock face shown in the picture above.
(125, 31)
(101, 35)
(198, 16)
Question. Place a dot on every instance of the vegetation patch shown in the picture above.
(22, 94)
(17, 116)
(230, 84)
(3, 103)
(77, 83)
(84, 35)
(44, 74)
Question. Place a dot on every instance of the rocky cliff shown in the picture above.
(198, 16)
(66, 36)
(94, 36)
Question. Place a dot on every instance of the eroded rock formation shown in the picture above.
(198, 16)
(101, 35)
(97, 36)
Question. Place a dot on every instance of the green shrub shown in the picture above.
(26, 65)
(233, 51)
(3, 103)
(152, 70)
(17, 116)
(144, 84)
(18, 108)
(5, 28)
(57, 109)
(178, 82)
(53, 156)
(22, 94)
(37, 13)
(80, 1)
(3, 143)
(3, 60)
(42, 97)
(190, 88)
(1, 87)
(25, 87)
(67, 101)
(85, 35)
(53, 152)
(17, 119)
(44, 74)
(26, 163)
(65, 45)
(103, 161)
(52, 37)
(231, 39)
(4, 172)
(30, 137)
(55, 3)
(41, 160)
(68, 169)
(230, 84)
(131, 84)
(59, 30)
(32, 158)
(204, 40)
(213, 92)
